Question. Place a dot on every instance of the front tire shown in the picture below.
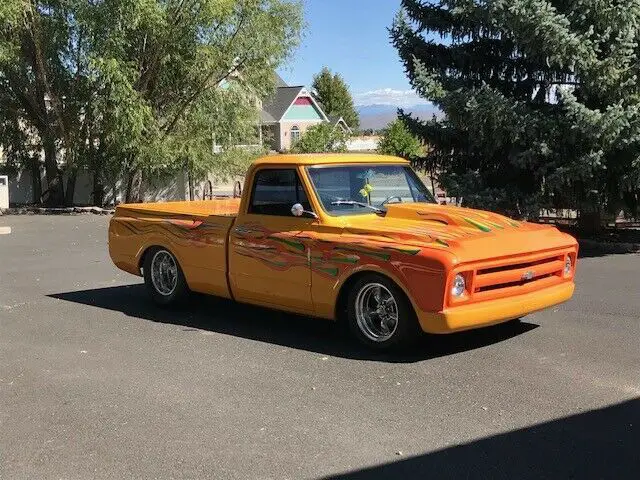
(163, 277)
(379, 314)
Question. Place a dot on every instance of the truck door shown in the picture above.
(268, 262)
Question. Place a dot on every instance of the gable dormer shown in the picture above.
(304, 107)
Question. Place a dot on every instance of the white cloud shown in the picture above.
(389, 96)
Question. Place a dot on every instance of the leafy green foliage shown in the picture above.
(541, 100)
(320, 138)
(233, 162)
(399, 141)
(331, 91)
(131, 88)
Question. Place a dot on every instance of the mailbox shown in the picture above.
(4, 191)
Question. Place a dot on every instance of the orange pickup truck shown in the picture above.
(357, 238)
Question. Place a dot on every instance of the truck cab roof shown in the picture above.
(327, 158)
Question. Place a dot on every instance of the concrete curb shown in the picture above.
(56, 211)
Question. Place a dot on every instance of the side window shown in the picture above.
(275, 191)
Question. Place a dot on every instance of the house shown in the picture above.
(338, 122)
(289, 113)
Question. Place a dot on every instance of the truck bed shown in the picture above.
(219, 207)
(195, 232)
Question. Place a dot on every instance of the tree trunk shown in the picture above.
(98, 190)
(71, 187)
(140, 188)
(100, 179)
(134, 187)
(36, 180)
(129, 187)
(190, 178)
(115, 193)
(55, 186)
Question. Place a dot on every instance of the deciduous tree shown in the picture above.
(320, 138)
(399, 141)
(132, 88)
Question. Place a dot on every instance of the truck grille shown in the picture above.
(518, 277)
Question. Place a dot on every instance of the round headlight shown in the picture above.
(459, 286)
(567, 265)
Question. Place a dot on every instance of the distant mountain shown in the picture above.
(379, 116)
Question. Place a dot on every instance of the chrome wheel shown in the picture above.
(376, 312)
(164, 273)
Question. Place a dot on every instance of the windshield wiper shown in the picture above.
(359, 204)
(386, 200)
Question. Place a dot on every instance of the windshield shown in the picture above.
(349, 189)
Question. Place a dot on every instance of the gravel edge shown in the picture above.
(56, 211)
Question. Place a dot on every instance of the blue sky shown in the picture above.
(350, 37)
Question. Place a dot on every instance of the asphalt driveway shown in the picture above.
(96, 382)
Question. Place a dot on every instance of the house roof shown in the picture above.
(335, 120)
(266, 117)
(279, 81)
(275, 107)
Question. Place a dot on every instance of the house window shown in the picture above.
(295, 134)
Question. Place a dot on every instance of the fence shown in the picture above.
(570, 218)
(156, 190)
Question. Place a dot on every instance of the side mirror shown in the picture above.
(297, 210)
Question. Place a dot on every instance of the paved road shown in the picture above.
(95, 382)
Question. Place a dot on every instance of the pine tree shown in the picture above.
(541, 99)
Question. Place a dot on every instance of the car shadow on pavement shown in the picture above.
(600, 443)
(224, 316)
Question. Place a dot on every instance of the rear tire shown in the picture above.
(163, 277)
(379, 314)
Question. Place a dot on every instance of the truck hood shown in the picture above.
(468, 234)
